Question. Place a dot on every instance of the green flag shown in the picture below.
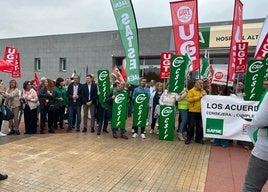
(119, 114)
(205, 68)
(256, 70)
(74, 73)
(103, 85)
(140, 113)
(188, 62)
(177, 73)
(266, 63)
(126, 22)
(166, 123)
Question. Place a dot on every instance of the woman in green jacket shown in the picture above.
(61, 98)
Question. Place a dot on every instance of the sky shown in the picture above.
(26, 18)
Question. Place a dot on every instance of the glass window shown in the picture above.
(37, 64)
(63, 64)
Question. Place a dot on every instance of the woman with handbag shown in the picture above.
(13, 101)
(30, 99)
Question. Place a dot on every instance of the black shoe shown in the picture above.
(200, 142)
(98, 133)
(84, 130)
(78, 129)
(105, 131)
(3, 177)
(187, 142)
(51, 131)
(42, 132)
(17, 132)
(12, 132)
(92, 130)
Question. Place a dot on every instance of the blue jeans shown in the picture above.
(72, 109)
(221, 142)
(122, 131)
(184, 120)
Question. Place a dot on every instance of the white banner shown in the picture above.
(220, 77)
(224, 117)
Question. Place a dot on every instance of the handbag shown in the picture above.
(7, 113)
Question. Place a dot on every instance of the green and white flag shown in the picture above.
(256, 70)
(177, 73)
(126, 22)
(188, 62)
(103, 86)
(140, 113)
(167, 123)
(205, 67)
(119, 114)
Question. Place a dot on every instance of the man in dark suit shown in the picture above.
(89, 96)
(74, 93)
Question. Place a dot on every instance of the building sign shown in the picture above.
(220, 36)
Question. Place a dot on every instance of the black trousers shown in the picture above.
(195, 122)
(30, 120)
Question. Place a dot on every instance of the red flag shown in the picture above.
(16, 69)
(185, 28)
(5, 66)
(263, 49)
(262, 45)
(165, 65)
(36, 81)
(237, 32)
(123, 72)
(117, 73)
(241, 57)
(10, 56)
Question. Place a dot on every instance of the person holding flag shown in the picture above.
(141, 89)
(109, 99)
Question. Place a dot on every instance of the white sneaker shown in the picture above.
(2, 134)
(157, 132)
(156, 124)
(135, 135)
(145, 131)
(143, 136)
(180, 137)
(151, 131)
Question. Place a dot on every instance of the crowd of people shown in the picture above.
(52, 102)
(65, 99)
